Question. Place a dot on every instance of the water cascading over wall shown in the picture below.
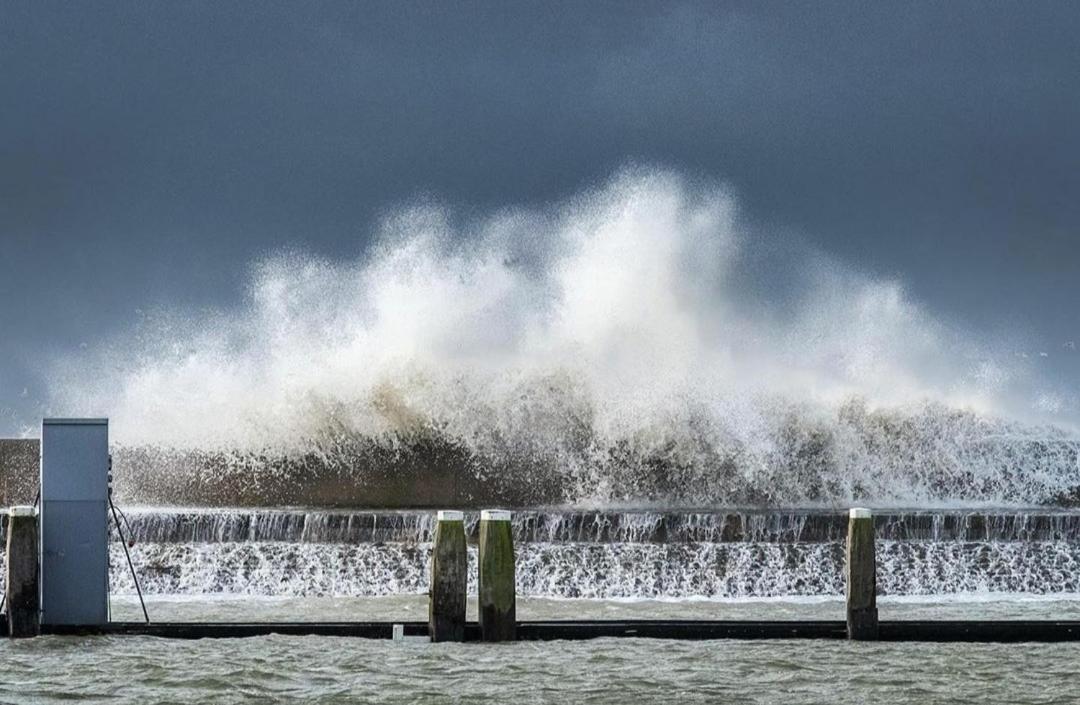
(609, 554)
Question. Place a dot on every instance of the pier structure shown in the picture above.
(449, 579)
(497, 596)
(57, 573)
(21, 580)
(861, 569)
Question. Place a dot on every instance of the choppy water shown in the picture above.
(334, 670)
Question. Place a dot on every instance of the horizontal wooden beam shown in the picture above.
(1001, 631)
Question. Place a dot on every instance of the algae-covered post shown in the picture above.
(862, 615)
(498, 615)
(449, 579)
(22, 572)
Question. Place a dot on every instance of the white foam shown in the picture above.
(634, 322)
(971, 571)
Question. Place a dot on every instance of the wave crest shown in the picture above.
(636, 343)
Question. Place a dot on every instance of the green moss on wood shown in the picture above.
(498, 613)
(449, 582)
(862, 619)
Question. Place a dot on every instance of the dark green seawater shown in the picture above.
(278, 669)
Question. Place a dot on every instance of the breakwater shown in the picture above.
(603, 554)
(606, 526)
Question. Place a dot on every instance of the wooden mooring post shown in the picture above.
(449, 579)
(23, 613)
(498, 613)
(862, 614)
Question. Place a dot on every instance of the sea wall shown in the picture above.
(19, 477)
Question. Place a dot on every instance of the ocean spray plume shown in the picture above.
(618, 347)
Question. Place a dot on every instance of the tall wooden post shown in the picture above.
(862, 615)
(498, 614)
(449, 579)
(23, 614)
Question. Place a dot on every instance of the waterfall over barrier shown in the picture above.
(604, 554)
(600, 527)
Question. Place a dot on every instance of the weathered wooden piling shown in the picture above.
(23, 612)
(449, 579)
(862, 614)
(498, 612)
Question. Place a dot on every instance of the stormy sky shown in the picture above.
(149, 151)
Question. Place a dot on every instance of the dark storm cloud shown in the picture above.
(149, 150)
